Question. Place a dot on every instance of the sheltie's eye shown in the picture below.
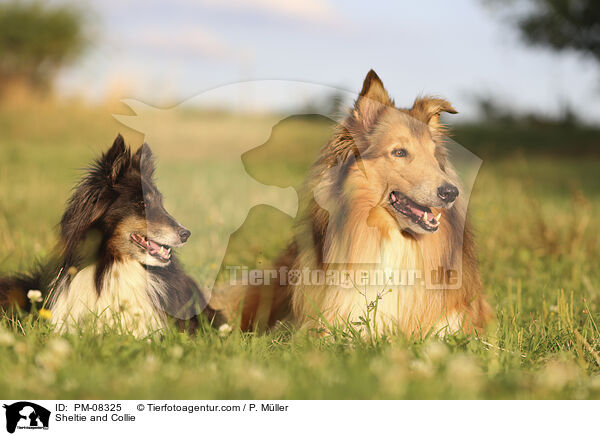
(399, 152)
(142, 204)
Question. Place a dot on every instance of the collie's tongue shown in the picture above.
(423, 214)
(415, 210)
(428, 217)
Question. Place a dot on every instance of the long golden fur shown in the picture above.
(349, 223)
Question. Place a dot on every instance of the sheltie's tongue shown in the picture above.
(421, 215)
(153, 248)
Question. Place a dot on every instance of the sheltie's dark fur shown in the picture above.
(381, 195)
(114, 259)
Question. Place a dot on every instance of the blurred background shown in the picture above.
(486, 56)
(524, 75)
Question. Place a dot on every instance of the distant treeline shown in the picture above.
(502, 139)
(501, 130)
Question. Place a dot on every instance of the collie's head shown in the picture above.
(119, 199)
(402, 154)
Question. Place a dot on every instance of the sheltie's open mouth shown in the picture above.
(153, 248)
(420, 215)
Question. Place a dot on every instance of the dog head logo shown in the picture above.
(26, 415)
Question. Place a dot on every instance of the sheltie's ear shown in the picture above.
(115, 161)
(143, 161)
(94, 194)
(428, 110)
(372, 100)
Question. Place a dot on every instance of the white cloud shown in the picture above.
(313, 11)
(192, 41)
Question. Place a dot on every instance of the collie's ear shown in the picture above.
(373, 98)
(373, 89)
(143, 161)
(428, 110)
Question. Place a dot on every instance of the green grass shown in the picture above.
(538, 246)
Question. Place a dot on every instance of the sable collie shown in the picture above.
(381, 201)
(127, 276)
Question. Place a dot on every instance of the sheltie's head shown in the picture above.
(118, 198)
(403, 155)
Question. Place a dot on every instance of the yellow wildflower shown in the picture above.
(45, 313)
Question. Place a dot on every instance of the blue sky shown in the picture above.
(164, 52)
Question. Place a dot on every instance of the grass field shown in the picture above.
(534, 213)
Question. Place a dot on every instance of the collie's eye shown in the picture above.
(142, 204)
(399, 152)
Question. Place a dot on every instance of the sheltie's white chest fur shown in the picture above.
(128, 300)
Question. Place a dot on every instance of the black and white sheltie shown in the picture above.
(114, 260)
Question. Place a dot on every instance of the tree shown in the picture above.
(558, 24)
(36, 41)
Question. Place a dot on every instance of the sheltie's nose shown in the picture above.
(448, 192)
(184, 234)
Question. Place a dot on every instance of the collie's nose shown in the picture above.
(184, 234)
(448, 192)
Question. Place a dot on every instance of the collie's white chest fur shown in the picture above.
(397, 299)
(128, 300)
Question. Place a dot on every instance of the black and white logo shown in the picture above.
(26, 415)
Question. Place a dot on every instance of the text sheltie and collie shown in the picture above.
(382, 196)
(130, 280)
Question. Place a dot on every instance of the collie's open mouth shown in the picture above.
(420, 215)
(153, 248)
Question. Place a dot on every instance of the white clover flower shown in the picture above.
(436, 351)
(422, 368)
(6, 338)
(224, 330)
(34, 296)
(594, 383)
(59, 347)
(557, 375)
(151, 364)
(176, 351)
(464, 374)
(53, 356)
